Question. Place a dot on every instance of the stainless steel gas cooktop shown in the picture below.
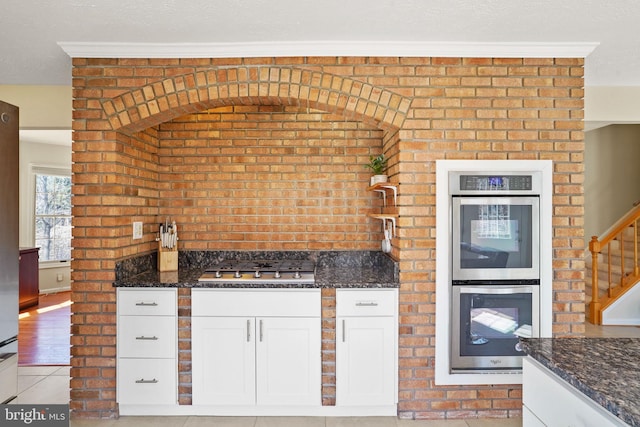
(261, 271)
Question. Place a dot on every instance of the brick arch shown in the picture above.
(167, 99)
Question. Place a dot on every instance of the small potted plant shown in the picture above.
(377, 164)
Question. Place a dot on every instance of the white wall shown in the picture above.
(43, 108)
(42, 155)
(605, 105)
(611, 176)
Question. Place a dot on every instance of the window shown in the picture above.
(53, 217)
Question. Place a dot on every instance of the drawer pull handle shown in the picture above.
(143, 381)
(366, 304)
(147, 304)
(248, 330)
(142, 337)
(344, 331)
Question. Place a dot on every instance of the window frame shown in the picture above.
(48, 171)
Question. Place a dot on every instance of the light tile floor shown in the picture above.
(43, 384)
(596, 331)
(50, 384)
(289, 422)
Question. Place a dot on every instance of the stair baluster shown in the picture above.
(627, 278)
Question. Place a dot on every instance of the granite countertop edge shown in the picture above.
(188, 278)
(613, 401)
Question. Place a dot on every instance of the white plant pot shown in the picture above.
(378, 178)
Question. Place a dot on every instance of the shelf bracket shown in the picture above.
(384, 196)
(382, 187)
(395, 194)
(384, 219)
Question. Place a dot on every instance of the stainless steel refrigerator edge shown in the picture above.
(9, 251)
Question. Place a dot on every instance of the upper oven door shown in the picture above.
(495, 238)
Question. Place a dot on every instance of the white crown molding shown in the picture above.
(327, 48)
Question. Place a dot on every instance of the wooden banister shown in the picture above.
(628, 276)
(594, 306)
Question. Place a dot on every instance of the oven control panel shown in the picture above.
(495, 182)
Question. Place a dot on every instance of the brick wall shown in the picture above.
(268, 177)
(205, 140)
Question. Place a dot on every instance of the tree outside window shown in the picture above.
(53, 217)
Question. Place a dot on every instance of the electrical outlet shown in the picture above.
(137, 229)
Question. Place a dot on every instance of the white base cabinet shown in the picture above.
(256, 347)
(550, 401)
(224, 360)
(366, 347)
(147, 346)
(257, 352)
(288, 361)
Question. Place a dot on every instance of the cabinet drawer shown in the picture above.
(366, 302)
(147, 302)
(147, 381)
(256, 302)
(142, 336)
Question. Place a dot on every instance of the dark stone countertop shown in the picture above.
(333, 270)
(325, 278)
(606, 370)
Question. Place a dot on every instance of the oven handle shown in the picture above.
(501, 290)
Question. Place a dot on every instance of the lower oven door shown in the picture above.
(487, 323)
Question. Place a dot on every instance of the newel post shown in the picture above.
(594, 306)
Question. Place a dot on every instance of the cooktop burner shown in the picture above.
(261, 271)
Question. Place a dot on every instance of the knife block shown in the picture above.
(167, 258)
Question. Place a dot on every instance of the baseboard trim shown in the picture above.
(54, 290)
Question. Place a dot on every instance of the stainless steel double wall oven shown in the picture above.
(495, 269)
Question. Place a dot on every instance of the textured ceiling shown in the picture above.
(31, 29)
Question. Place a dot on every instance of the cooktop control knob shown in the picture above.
(277, 274)
(218, 274)
(237, 274)
(257, 274)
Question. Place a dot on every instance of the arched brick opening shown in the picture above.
(165, 100)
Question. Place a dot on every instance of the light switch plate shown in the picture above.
(137, 229)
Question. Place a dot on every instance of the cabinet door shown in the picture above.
(365, 351)
(223, 357)
(289, 367)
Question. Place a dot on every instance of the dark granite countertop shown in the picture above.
(606, 370)
(333, 270)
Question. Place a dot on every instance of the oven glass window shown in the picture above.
(496, 236)
(492, 324)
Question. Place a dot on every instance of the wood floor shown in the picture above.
(44, 331)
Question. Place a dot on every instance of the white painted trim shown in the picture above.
(443, 376)
(624, 311)
(30, 208)
(46, 265)
(55, 290)
(328, 48)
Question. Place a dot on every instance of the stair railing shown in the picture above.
(627, 277)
